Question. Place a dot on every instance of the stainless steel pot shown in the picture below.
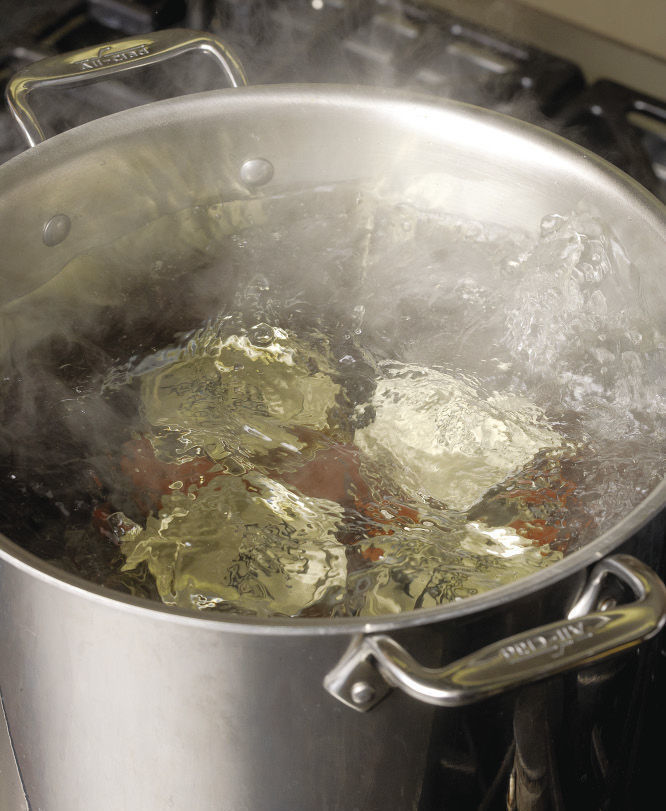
(113, 702)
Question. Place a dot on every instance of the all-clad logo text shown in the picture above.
(553, 644)
(106, 56)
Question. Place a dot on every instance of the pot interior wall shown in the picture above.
(115, 177)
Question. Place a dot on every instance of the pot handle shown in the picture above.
(99, 62)
(375, 663)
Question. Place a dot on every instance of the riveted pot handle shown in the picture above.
(373, 664)
(102, 61)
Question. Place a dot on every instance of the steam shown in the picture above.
(390, 43)
(565, 329)
(385, 43)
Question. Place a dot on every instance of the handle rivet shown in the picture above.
(256, 172)
(361, 692)
(56, 230)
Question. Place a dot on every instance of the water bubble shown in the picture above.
(258, 284)
(256, 433)
(598, 303)
(631, 361)
(358, 314)
(262, 334)
(472, 230)
(550, 223)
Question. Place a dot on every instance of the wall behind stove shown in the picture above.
(543, 23)
(640, 24)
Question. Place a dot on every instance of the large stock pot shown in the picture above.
(114, 702)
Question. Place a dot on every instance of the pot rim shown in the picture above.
(161, 113)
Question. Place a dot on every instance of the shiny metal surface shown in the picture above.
(583, 638)
(117, 707)
(117, 703)
(56, 230)
(256, 172)
(12, 796)
(93, 64)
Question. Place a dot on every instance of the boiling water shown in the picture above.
(381, 410)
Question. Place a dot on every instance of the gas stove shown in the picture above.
(422, 47)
